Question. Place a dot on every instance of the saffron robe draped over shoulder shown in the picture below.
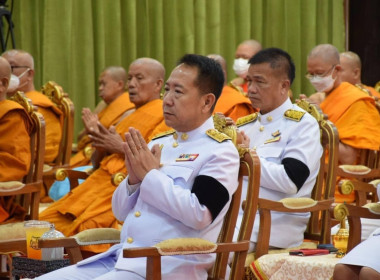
(110, 115)
(89, 204)
(15, 128)
(53, 123)
(233, 104)
(354, 114)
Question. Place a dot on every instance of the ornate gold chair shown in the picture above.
(61, 99)
(12, 235)
(318, 230)
(361, 179)
(354, 213)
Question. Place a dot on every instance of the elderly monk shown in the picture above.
(22, 65)
(351, 110)
(112, 84)
(89, 204)
(351, 72)
(244, 52)
(15, 126)
(231, 102)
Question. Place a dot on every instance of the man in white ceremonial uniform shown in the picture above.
(180, 185)
(287, 140)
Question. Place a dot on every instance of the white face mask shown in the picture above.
(241, 67)
(323, 84)
(14, 82)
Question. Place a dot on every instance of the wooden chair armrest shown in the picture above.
(357, 171)
(12, 245)
(69, 243)
(265, 206)
(153, 267)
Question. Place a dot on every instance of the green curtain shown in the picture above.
(73, 40)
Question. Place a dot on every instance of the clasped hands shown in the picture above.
(139, 160)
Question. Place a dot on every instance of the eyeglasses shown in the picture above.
(310, 76)
(18, 66)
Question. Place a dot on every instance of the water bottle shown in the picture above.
(49, 254)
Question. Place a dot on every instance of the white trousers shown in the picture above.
(103, 269)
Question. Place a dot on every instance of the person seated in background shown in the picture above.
(15, 156)
(352, 111)
(22, 64)
(286, 139)
(112, 84)
(231, 102)
(362, 262)
(160, 199)
(244, 52)
(89, 204)
(351, 72)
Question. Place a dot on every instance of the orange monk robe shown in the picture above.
(233, 104)
(110, 115)
(89, 204)
(15, 126)
(353, 113)
(53, 123)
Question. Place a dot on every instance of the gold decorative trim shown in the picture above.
(163, 134)
(218, 136)
(294, 115)
(246, 119)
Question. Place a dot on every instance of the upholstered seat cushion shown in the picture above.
(12, 231)
(180, 246)
(11, 186)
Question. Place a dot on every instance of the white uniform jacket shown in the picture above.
(275, 138)
(165, 206)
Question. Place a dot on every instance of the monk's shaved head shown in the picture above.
(156, 69)
(117, 73)
(351, 68)
(220, 59)
(326, 52)
(352, 58)
(19, 57)
(145, 80)
(247, 49)
(5, 73)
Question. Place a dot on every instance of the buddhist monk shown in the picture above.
(15, 127)
(351, 72)
(244, 52)
(349, 108)
(89, 205)
(231, 102)
(22, 65)
(112, 83)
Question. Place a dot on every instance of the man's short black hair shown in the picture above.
(210, 77)
(277, 58)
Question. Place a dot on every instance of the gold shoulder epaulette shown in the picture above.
(359, 86)
(217, 135)
(246, 119)
(294, 115)
(163, 134)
